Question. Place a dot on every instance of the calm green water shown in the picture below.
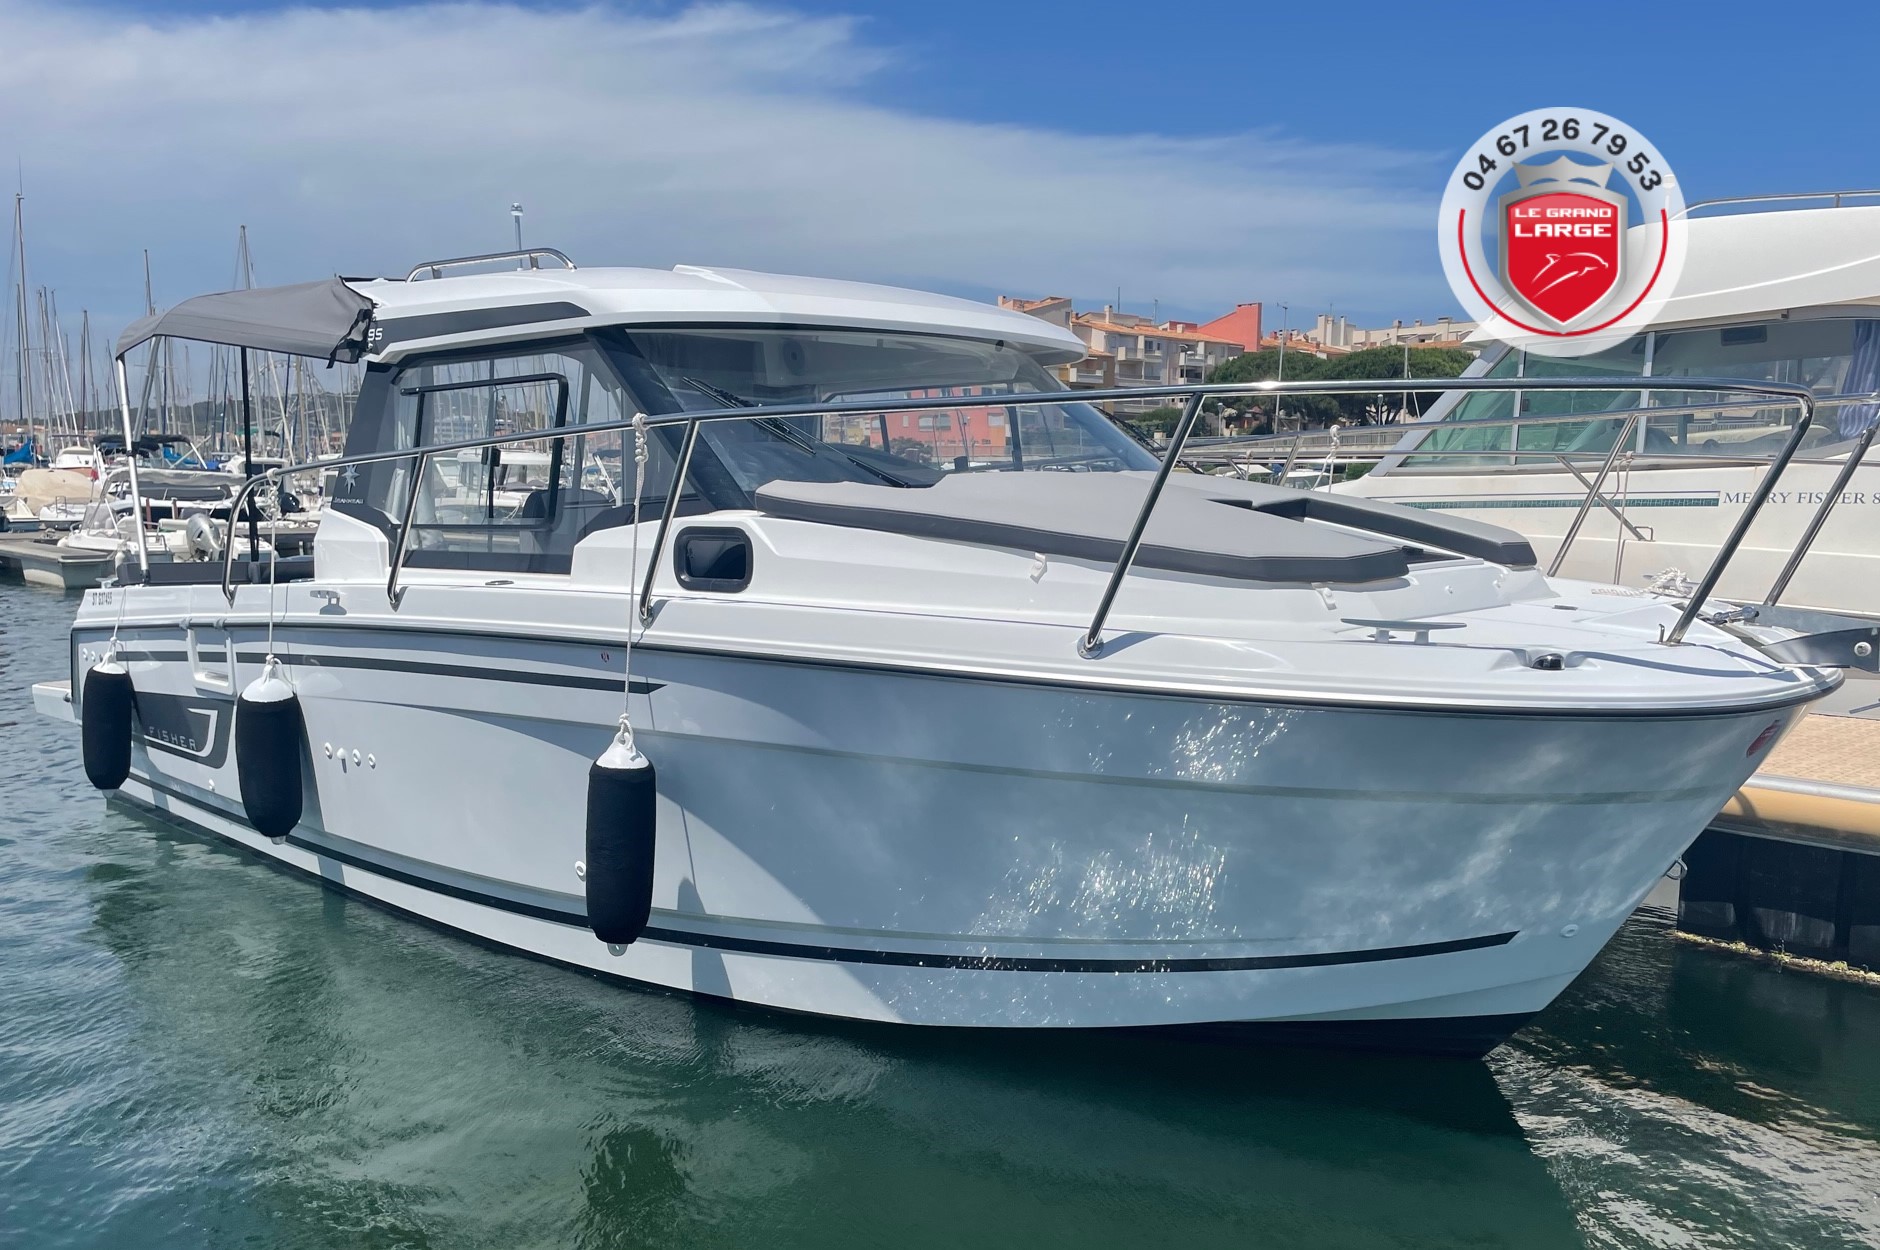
(198, 1051)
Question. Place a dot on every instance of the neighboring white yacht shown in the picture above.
(1331, 770)
(1789, 295)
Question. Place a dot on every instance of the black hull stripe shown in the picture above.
(524, 677)
(862, 955)
(1000, 963)
(1329, 703)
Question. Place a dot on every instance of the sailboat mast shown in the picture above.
(19, 233)
(85, 396)
(47, 378)
(159, 354)
(57, 341)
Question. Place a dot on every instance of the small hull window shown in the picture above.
(712, 558)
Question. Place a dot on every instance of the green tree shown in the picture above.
(1158, 420)
(1383, 363)
(1264, 366)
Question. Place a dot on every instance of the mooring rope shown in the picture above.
(625, 736)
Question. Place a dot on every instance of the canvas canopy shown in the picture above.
(326, 319)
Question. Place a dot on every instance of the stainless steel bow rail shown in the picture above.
(1194, 395)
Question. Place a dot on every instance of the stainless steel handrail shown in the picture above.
(1592, 491)
(1310, 443)
(1835, 196)
(1092, 641)
(1740, 530)
(436, 267)
(1194, 394)
(1833, 497)
(666, 515)
(393, 594)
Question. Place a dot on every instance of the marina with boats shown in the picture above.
(766, 541)
(1083, 733)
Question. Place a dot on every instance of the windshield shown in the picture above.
(1836, 358)
(712, 370)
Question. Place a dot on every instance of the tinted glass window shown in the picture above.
(707, 370)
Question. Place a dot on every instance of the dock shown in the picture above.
(1792, 863)
(42, 562)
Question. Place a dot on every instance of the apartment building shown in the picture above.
(1129, 350)
(1338, 332)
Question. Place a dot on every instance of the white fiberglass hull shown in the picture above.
(888, 845)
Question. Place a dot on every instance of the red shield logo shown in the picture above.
(1562, 241)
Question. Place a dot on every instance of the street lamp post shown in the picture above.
(1279, 404)
(515, 211)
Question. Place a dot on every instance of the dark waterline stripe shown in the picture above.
(862, 955)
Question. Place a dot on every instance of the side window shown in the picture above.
(1484, 444)
(1624, 360)
(1830, 357)
(521, 506)
(1459, 444)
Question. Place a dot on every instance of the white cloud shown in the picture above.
(363, 140)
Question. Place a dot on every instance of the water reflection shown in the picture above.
(1685, 1096)
(375, 1079)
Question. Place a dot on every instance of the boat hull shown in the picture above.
(943, 850)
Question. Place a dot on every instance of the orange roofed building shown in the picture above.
(1129, 350)
(1241, 326)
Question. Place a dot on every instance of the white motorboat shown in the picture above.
(1789, 294)
(1078, 743)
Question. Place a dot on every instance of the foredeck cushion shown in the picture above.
(1088, 515)
(1210, 526)
(1461, 535)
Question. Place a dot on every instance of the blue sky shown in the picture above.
(1190, 153)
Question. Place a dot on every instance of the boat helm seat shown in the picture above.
(622, 514)
(573, 507)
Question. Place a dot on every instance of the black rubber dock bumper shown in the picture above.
(1814, 901)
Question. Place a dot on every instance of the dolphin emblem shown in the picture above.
(1573, 265)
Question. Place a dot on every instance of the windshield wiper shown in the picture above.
(1142, 438)
(796, 438)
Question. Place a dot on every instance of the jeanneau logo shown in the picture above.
(1585, 221)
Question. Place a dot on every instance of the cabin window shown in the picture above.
(526, 504)
(1838, 357)
(521, 506)
(1459, 445)
(711, 369)
(1626, 359)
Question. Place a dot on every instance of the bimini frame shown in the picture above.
(326, 320)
